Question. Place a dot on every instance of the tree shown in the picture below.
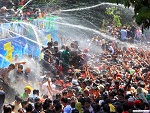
(115, 14)
(141, 10)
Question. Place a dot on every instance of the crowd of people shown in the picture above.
(76, 80)
(131, 33)
(22, 10)
(70, 79)
(12, 14)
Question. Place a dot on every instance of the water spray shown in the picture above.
(90, 7)
(23, 6)
(21, 36)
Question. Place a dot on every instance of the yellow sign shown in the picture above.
(9, 50)
(7, 45)
(49, 37)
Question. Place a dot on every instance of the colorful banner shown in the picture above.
(20, 39)
(18, 46)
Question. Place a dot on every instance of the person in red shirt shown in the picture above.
(60, 69)
(67, 84)
(59, 81)
(70, 93)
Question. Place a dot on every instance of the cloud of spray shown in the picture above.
(72, 29)
(93, 6)
(36, 72)
(76, 26)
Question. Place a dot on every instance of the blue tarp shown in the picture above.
(21, 46)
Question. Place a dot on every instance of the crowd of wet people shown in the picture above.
(74, 80)
(129, 33)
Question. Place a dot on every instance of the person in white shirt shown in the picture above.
(45, 87)
(138, 34)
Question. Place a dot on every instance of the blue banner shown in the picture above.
(20, 39)
(17, 46)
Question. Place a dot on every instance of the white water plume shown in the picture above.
(81, 33)
(22, 36)
(91, 7)
(34, 29)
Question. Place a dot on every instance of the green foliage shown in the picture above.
(141, 10)
(115, 15)
(117, 20)
(111, 10)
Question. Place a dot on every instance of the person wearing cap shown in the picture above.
(27, 91)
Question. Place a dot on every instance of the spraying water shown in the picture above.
(22, 36)
(90, 7)
(23, 6)
(34, 65)
(94, 31)
(3, 57)
(34, 29)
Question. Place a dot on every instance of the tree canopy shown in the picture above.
(141, 10)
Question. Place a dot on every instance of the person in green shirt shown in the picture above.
(66, 55)
(27, 91)
(65, 59)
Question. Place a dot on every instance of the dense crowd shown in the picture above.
(70, 79)
(21, 10)
(8, 15)
(131, 33)
(76, 80)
